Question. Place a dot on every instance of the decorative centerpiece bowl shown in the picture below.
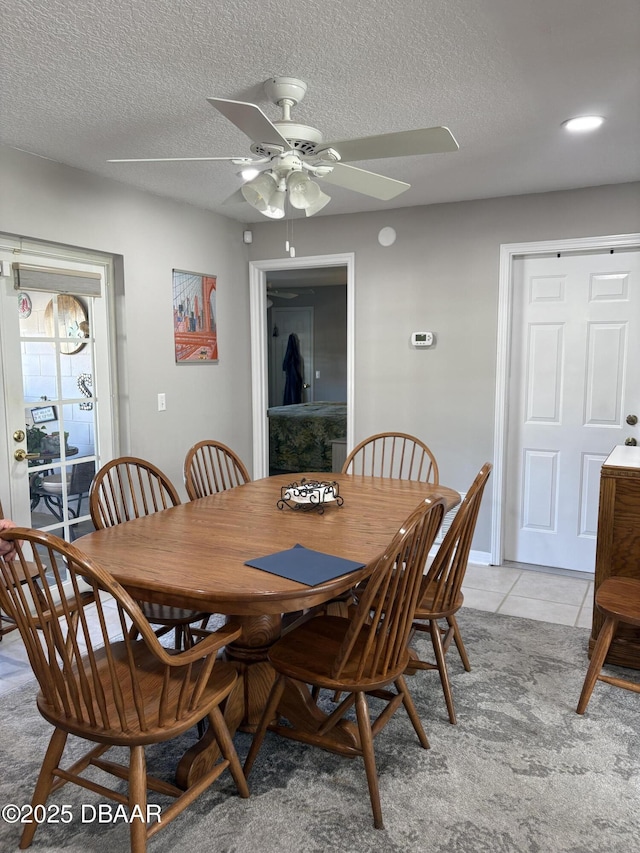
(310, 495)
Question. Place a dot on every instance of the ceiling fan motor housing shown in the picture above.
(300, 137)
(286, 92)
(280, 89)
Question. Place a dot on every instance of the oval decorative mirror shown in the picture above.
(72, 323)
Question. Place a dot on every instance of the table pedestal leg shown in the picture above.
(244, 706)
(249, 654)
(299, 708)
(201, 757)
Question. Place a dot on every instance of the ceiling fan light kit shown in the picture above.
(320, 201)
(293, 152)
(305, 194)
(249, 173)
(298, 187)
(275, 208)
(258, 192)
(581, 124)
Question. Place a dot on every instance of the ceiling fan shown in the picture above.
(287, 294)
(288, 154)
(282, 294)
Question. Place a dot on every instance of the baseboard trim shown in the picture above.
(479, 558)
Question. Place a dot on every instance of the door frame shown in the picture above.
(509, 252)
(259, 352)
(107, 443)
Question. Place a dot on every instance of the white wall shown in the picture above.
(54, 203)
(441, 275)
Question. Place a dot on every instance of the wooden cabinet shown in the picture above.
(618, 544)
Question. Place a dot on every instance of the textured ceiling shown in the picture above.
(88, 80)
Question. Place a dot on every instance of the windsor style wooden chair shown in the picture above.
(100, 684)
(393, 454)
(362, 655)
(23, 570)
(440, 594)
(211, 467)
(128, 488)
(618, 599)
(387, 454)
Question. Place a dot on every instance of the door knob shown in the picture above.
(306, 385)
(19, 435)
(632, 420)
(21, 454)
(631, 442)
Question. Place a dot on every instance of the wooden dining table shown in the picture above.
(193, 556)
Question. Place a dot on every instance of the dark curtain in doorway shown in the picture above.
(293, 368)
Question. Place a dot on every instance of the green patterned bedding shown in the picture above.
(300, 436)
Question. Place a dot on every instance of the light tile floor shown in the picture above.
(564, 598)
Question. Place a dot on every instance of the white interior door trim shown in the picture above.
(105, 369)
(508, 253)
(259, 354)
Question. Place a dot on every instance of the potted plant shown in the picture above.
(35, 435)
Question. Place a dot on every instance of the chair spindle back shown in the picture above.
(80, 668)
(443, 581)
(385, 612)
(393, 454)
(128, 488)
(211, 467)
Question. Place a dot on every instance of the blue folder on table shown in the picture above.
(304, 565)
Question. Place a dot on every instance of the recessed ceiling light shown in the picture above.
(581, 123)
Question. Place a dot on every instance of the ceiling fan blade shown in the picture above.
(238, 160)
(235, 198)
(250, 119)
(367, 183)
(429, 140)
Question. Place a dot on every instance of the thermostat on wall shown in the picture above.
(422, 339)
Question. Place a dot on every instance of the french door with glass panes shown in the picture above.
(58, 425)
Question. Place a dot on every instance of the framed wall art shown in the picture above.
(195, 329)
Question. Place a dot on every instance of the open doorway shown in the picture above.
(331, 278)
(307, 365)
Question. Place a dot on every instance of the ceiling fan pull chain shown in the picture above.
(290, 246)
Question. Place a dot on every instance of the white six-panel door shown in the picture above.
(573, 383)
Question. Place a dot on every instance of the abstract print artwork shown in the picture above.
(194, 317)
